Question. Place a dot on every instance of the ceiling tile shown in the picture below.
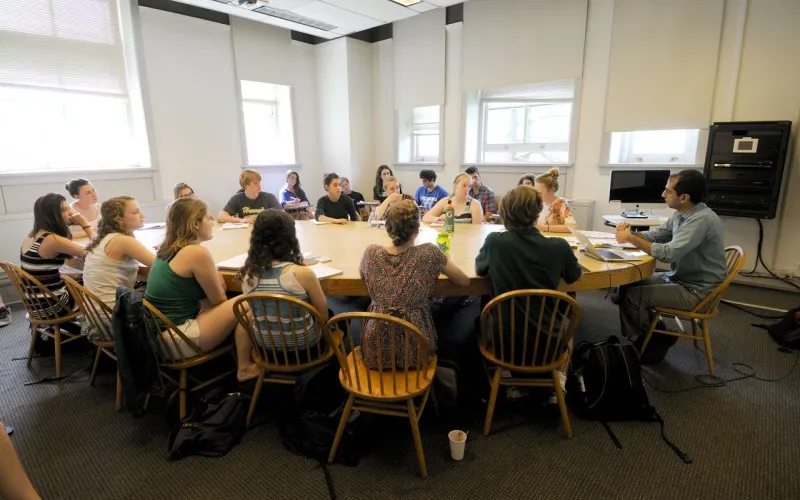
(383, 10)
(423, 7)
(337, 16)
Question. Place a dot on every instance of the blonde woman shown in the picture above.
(467, 209)
(556, 216)
(393, 195)
(85, 203)
(185, 286)
(113, 257)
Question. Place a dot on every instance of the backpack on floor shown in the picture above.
(605, 384)
(787, 331)
(213, 428)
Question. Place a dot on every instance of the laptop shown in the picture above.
(604, 254)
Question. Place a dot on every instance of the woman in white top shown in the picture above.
(114, 255)
(467, 209)
(85, 204)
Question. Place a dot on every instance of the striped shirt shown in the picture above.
(47, 271)
(294, 322)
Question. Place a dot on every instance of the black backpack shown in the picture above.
(787, 331)
(605, 384)
(213, 428)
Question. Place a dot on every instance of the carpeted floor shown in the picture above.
(742, 436)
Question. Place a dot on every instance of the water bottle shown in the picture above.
(449, 218)
(443, 242)
(373, 217)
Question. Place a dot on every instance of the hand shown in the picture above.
(78, 220)
(541, 227)
(393, 197)
(341, 221)
(222, 281)
(441, 217)
(622, 226)
(242, 220)
(624, 235)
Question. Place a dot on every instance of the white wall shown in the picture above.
(334, 108)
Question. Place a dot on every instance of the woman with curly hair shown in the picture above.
(400, 277)
(113, 257)
(186, 287)
(275, 265)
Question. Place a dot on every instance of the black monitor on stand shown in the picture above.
(637, 186)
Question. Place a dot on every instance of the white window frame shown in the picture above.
(621, 155)
(406, 138)
(291, 112)
(137, 120)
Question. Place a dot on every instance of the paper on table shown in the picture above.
(235, 225)
(153, 225)
(323, 258)
(573, 241)
(322, 271)
(610, 242)
(319, 222)
(599, 234)
(233, 263)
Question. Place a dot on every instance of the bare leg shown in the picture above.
(14, 483)
(246, 368)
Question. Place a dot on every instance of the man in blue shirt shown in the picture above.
(691, 242)
(428, 193)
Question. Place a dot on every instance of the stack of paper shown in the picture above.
(319, 222)
(233, 263)
(153, 225)
(322, 271)
(235, 225)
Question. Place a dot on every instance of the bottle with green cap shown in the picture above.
(443, 242)
(449, 218)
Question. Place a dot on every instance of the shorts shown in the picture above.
(180, 349)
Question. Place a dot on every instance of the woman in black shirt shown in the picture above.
(334, 207)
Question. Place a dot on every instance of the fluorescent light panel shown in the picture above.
(407, 3)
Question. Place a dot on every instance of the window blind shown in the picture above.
(62, 44)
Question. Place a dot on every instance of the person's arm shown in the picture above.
(455, 274)
(230, 213)
(55, 244)
(684, 242)
(14, 483)
(572, 270)
(476, 213)
(661, 234)
(491, 206)
(562, 223)
(351, 208)
(433, 215)
(205, 272)
(309, 281)
(80, 227)
(284, 197)
(482, 260)
(272, 202)
(134, 249)
(381, 211)
(226, 217)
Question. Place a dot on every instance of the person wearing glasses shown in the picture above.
(181, 190)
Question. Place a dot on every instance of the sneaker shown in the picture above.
(515, 393)
(5, 316)
(657, 348)
(562, 379)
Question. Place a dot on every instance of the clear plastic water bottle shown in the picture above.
(373, 217)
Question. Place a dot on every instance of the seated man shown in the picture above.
(249, 201)
(334, 207)
(428, 193)
(482, 193)
(691, 242)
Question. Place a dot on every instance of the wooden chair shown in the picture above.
(168, 340)
(385, 391)
(281, 366)
(38, 301)
(98, 317)
(545, 349)
(706, 309)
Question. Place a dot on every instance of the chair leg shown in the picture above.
(348, 407)
(256, 394)
(31, 349)
(562, 406)
(650, 332)
(412, 418)
(695, 332)
(95, 365)
(57, 346)
(707, 341)
(118, 405)
(492, 401)
(182, 393)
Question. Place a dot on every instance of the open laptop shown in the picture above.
(603, 254)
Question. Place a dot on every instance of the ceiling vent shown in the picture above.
(291, 16)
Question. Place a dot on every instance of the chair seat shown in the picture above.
(687, 314)
(57, 321)
(199, 359)
(389, 393)
(528, 370)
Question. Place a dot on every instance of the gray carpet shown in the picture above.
(742, 436)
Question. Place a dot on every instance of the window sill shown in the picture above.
(47, 176)
(287, 166)
(411, 165)
(516, 167)
(649, 166)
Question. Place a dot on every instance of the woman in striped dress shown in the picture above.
(48, 246)
(275, 264)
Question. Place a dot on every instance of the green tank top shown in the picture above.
(177, 298)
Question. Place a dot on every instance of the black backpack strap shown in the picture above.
(611, 434)
(683, 456)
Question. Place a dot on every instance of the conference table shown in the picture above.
(345, 244)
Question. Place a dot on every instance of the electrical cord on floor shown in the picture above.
(712, 381)
(745, 310)
(760, 259)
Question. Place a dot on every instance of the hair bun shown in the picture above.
(553, 172)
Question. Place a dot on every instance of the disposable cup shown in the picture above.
(458, 439)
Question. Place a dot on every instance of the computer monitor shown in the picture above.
(637, 186)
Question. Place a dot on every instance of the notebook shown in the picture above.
(322, 271)
(235, 225)
(235, 263)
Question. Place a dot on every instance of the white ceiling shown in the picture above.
(322, 18)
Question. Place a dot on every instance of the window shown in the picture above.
(64, 88)
(419, 135)
(654, 147)
(268, 123)
(529, 124)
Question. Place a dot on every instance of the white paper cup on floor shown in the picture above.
(458, 439)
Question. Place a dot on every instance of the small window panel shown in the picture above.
(654, 147)
(268, 123)
(419, 135)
